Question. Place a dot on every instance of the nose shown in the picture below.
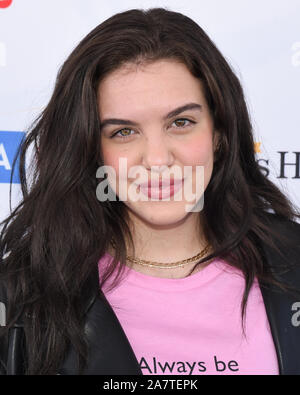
(157, 152)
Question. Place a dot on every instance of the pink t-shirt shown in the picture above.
(192, 325)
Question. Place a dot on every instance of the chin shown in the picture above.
(159, 213)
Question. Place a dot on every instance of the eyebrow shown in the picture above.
(176, 111)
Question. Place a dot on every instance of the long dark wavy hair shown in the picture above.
(52, 241)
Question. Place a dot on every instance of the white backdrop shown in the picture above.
(260, 39)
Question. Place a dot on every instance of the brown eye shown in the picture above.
(182, 122)
(123, 133)
(126, 132)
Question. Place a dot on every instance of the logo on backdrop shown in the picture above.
(286, 169)
(9, 144)
(5, 3)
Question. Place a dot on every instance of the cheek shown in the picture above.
(198, 151)
(110, 158)
(111, 155)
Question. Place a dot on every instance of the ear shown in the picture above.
(216, 140)
(216, 144)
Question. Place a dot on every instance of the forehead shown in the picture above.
(163, 83)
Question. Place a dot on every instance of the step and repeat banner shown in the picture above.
(260, 39)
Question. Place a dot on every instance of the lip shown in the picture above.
(161, 183)
(164, 189)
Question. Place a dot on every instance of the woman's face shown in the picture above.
(137, 124)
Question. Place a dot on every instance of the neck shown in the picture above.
(166, 244)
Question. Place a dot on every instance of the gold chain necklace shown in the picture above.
(161, 265)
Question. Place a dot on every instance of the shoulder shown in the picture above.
(282, 256)
(283, 222)
(285, 232)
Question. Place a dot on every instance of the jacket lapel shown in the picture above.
(110, 350)
(281, 308)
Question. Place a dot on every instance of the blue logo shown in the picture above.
(9, 144)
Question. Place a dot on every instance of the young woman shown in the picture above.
(148, 286)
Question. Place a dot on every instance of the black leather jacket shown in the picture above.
(111, 352)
